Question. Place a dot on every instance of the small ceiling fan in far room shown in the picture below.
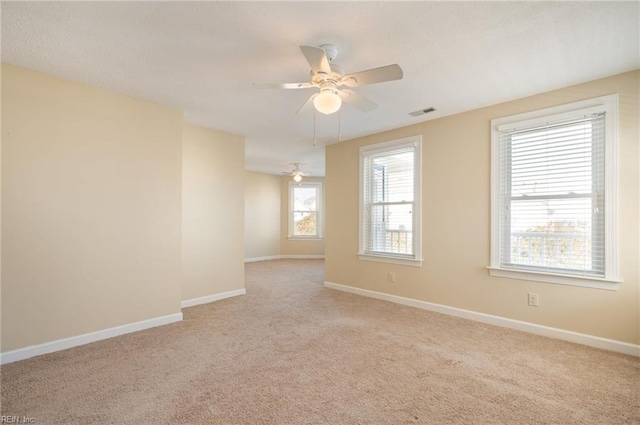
(297, 173)
(330, 79)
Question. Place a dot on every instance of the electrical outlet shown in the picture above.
(391, 277)
(533, 299)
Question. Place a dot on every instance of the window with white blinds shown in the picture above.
(553, 193)
(390, 201)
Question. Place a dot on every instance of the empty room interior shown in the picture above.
(320, 212)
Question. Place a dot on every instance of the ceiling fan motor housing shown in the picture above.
(321, 77)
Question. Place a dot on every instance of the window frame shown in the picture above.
(608, 105)
(414, 142)
(318, 211)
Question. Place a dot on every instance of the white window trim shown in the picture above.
(318, 235)
(609, 104)
(416, 142)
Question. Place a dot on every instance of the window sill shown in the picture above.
(393, 260)
(561, 279)
(305, 238)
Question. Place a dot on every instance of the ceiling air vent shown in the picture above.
(422, 111)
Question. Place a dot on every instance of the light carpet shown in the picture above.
(293, 352)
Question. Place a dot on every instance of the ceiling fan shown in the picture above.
(297, 173)
(330, 79)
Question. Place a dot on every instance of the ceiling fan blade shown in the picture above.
(371, 76)
(282, 85)
(308, 103)
(357, 100)
(317, 59)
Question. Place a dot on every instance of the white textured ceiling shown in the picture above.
(202, 58)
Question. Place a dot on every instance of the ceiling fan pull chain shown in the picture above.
(339, 126)
(315, 141)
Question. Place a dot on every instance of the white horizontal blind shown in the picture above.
(389, 202)
(552, 197)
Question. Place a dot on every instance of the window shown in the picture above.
(390, 216)
(304, 210)
(553, 195)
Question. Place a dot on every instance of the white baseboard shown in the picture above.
(565, 335)
(254, 259)
(74, 341)
(284, 257)
(212, 298)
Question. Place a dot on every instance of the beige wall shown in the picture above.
(90, 209)
(301, 247)
(261, 215)
(1, 136)
(212, 211)
(456, 222)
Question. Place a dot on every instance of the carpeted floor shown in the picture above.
(293, 352)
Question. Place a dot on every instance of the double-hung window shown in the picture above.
(304, 210)
(554, 194)
(390, 216)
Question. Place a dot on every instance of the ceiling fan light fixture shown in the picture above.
(327, 102)
(297, 177)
